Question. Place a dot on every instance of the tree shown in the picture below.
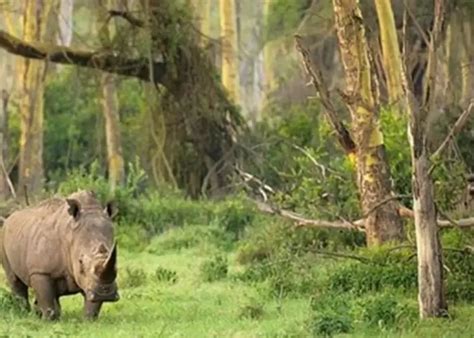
(432, 300)
(230, 69)
(390, 49)
(200, 120)
(31, 87)
(373, 173)
(110, 106)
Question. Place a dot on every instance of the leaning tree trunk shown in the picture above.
(31, 88)
(383, 223)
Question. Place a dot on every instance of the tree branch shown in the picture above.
(343, 134)
(128, 17)
(107, 61)
(458, 126)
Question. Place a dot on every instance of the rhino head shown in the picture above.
(93, 252)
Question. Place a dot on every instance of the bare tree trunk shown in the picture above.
(110, 104)
(4, 179)
(467, 61)
(31, 87)
(373, 172)
(391, 54)
(230, 71)
(432, 301)
(110, 107)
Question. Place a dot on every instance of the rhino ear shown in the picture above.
(74, 207)
(111, 209)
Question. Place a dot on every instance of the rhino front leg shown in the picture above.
(91, 309)
(46, 298)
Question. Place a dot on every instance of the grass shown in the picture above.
(188, 306)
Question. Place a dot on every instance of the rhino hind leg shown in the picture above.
(18, 288)
(46, 298)
(92, 309)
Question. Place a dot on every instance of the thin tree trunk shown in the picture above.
(110, 103)
(390, 49)
(432, 302)
(467, 62)
(110, 108)
(4, 179)
(384, 224)
(31, 87)
(230, 70)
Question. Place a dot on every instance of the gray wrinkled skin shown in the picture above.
(61, 247)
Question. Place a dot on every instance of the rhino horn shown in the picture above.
(109, 266)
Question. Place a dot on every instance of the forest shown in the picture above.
(278, 168)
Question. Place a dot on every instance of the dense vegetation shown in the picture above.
(195, 263)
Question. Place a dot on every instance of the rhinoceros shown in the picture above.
(62, 246)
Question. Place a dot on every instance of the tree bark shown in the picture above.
(390, 49)
(110, 108)
(432, 302)
(385, 224)
(110, 103)
(230, 70)
(467, 61)
(31, 89)
(4, 178)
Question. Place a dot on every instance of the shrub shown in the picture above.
(214, 269)
(385, 311)
(166, 275)
(327, 325)
(384, 269)
(10, 303)
(252, 310)
(132, 277)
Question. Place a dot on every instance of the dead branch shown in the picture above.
(128, 17)
(383, 202)
(301, 221)
(108, 61)
(458, 126)
(343, 134)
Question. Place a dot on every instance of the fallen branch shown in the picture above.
(302, 221)
(128, 17)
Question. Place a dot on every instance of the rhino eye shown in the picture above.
(81, 266)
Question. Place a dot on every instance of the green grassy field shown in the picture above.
(192, 307)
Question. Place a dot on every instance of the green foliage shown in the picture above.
(328, 325)
(283, 18)
(381, 269)
(252, 309)
(132, 277)
(215, 269)
(11, 304)
(166, 275)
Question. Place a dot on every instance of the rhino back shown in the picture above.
(33, 237)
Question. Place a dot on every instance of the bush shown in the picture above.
(10, 303)
(252, 310)
(383, 269)
(385, 311)
(327, 325)
(166, 275)
(214, 269)
(132, 277)
(189, 237)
